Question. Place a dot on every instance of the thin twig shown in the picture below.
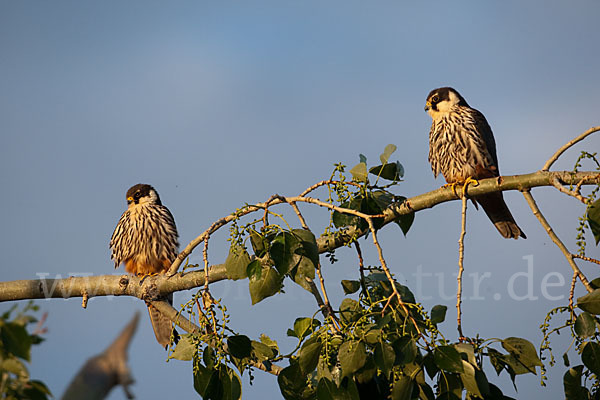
(584, 258)
(573, 193)
(568, 255)
(361, 267)
(328, 310)
(299, 214)
(388, 274)
(327, 182)
(564, 148)
(572, 293)
(461, 269)
(205, 257)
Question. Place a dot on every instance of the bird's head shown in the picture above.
(142, 194)
(442, 100)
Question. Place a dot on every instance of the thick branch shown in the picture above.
(151, 288)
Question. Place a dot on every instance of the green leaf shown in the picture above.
(590, 302)
(185, 349)
(402, 389)
(350, 286)
(309, 247)
(438, 314)
(470, 381)
(352, 356)
(282, 251)
(292, 382)
(391, 172)
(209, 357)
(240, 346)
(591, 357)
(231, 384)
(267, 285)
(404, 221)
(595, 284)
(373, 334)
(450, 386)
(496, 393)
(254, 269)
(572, 384)
(261, 351)
(593, 217)
(585, 325)
(341, 220)
(468, 350)
(430, 367)
(37, 390)
(327, 390)
(206, 381)
(362, 158)
(406, 350)
(305, 326)
(359, 172)
(259, 243)
(523, 351)
(236, 263)
(16, 340)
(303, 272)
(448, 359)
(269, 342)
(367, 372)
(385, 358)
(309, 356)
(387, 152)
(497, 360)
(14, 366)
(350, 310)
(515, 366)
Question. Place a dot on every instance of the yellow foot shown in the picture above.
(469, 181)
(453, 186)
(464, 184)
(144, 276)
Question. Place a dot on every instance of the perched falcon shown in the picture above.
(462, 146)
(145, 240)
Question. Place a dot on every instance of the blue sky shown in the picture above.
(221, 103)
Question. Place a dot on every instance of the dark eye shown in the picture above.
(137, 195)
(435, 99)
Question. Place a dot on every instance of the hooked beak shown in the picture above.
(427, 106)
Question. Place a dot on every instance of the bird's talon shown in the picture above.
(144, 276)
(469, 181)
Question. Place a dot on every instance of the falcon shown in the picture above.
(145, 240)
(462, 148)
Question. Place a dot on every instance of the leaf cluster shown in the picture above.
(393, 351)
(15, 353)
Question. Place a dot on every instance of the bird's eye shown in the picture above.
(435, 98)
(137, 195)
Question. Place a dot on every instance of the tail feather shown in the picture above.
(163, 327)
(497, 211)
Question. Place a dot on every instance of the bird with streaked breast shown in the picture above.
(146, 241)
(462, 147)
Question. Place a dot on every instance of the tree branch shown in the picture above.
(152, 287)
(536, 211)
(564, 148)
